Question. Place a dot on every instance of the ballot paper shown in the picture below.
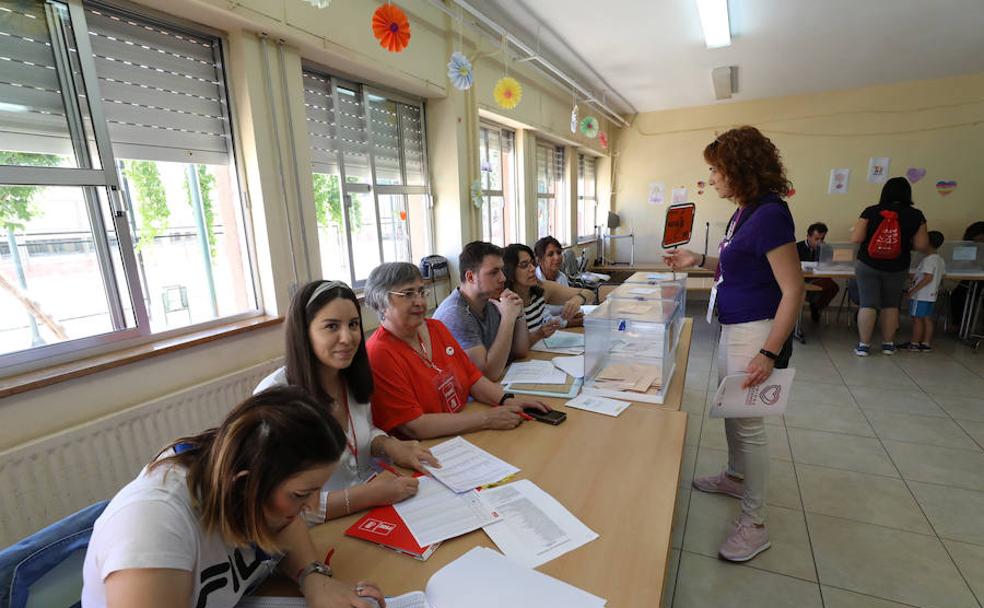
(766, 399)
(562, 342)
(572, 366)
(535, 527)
(435, 513)
(534, 372)
(638, 377)
(600, 405)
(661, 276)
(587, 309)
(465, 466)
(642, 291)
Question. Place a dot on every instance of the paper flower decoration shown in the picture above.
(574, 119)
(391, 28)
(603, 140)
(460, 71)
(507, 92)
(476, 193)
(589, 127)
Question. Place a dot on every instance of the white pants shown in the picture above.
(748, 448)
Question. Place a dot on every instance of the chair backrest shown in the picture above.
(31, 566)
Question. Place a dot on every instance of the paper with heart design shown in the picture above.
(915, 174)
(945, 187)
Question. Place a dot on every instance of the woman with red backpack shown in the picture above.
(887, 232)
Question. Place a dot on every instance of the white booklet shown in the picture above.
(766, 399)
(599, 405)
(535, 527)
(572, 366)
(465, 466)
(536, 371)
(435, 513)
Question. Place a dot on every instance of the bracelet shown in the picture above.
(348, 503)
(769, 354)
(504, 397)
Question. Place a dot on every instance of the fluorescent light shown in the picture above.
(714, 21)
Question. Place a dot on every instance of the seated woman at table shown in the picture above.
(326, 356)
(422, 376)
(213, 514)
(549, 257)
(519, 266)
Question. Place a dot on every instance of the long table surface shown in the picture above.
(618, 475)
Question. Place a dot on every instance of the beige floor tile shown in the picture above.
(970, 561)
(706, 581)
(886, 563)
(820, 417)
(974, 429)
(687, 465)
(907, 401)
(932, 464)
(812, 393)
(860, 497)
(711, 518)
(819, 372)
(955, 513)
(781, 491)
(671, 576)
(839, 598)
(963, 408)
(862, 454)
(712, 436)
(874, 372)
(930, 430)
(694, 423)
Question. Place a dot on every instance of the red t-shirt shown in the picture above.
(406, 386)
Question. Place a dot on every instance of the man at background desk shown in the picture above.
(809, 251)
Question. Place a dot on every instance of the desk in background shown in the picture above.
(617, 475)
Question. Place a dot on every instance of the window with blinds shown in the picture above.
(369, 171)
(130, 195)
(550, 213)
(587, 195)
(498, 169)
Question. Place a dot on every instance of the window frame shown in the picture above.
(120, 207)
(556, 196)
(364, 90)
(583, 198)
(510, 236)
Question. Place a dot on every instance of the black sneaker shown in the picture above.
(924, 348)
(910, 346)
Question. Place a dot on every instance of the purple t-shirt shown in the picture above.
(748, 290)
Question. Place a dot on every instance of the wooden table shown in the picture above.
(618, 475)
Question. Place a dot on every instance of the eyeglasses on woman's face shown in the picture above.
(409, 294)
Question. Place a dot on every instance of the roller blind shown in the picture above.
(587, 171)
(162, 89)
(320, 110)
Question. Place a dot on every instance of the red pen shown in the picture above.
(328, 556)
(525, 416)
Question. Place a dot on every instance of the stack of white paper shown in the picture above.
(465, 466)
(572, 366)
(766, 399)
(435, 513)
(562, 342)
(599, 405)
(534, 372)
(535, 527)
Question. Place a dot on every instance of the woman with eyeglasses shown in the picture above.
(422, 376)
(519, 266)
(326, 355)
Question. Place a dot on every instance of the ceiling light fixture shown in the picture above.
(715, 23)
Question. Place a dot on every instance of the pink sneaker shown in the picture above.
(720, 484)
(745, 542)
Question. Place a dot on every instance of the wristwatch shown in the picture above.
(505, 396)
(313, 568)
(769, 354)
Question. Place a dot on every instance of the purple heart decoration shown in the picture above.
(914, 174)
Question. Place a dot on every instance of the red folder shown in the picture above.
(384, 526)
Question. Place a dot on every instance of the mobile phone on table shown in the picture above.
(552, 417)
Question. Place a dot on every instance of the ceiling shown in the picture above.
(645, 55)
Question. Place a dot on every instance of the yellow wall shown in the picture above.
(935, 124)
(338, 38)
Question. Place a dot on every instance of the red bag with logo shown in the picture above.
(886, 242)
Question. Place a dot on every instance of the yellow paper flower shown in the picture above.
(507, 92)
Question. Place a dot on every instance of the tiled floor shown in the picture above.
(876, 490)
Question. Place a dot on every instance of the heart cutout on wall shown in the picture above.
(915, 174)
(945, 187)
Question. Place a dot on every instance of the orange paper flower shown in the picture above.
(507, 92)
(391, 27)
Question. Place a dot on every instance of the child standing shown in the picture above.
(922, 295)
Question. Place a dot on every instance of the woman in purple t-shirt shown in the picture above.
(759, 290)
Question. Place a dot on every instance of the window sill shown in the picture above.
(63, 372)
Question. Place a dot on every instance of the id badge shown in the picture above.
(447, 389)
(710, 303)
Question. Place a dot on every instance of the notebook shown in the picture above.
(385, 527)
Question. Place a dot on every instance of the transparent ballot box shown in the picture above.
(963, 257)
(654, 290)
(837, 257)
(630, 348)
(653, 277)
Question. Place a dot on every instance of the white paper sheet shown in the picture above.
(482, 578)
(565, 339)
(435, 513)
(534, 372)
(767, 399)
(965, 253)
(642, 291)
(414, 599)
(535, 527)
(587, 309)
(599, 405)
(465, 466)
(572, 366)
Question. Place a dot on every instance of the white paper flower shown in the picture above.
(460, 71)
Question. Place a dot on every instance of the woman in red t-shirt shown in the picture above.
(422, 376)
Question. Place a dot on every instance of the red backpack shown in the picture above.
(886, 242)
